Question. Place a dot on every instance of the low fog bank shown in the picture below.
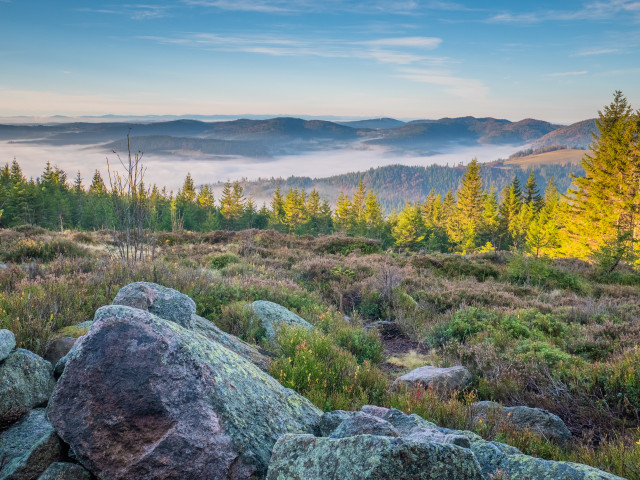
(170, 170)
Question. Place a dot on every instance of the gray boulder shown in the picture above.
(494, 457)
(26, 382)
(272, 316)
(65, 471)
(208, 329)
(28, 447)
(364, 424)
(330, 421)
(442, 380)
(404, 423)
(164, 302)
(535, 419)
(7, 343)
(369, 457)
(374, 410)
(57, 348)
(141, 396)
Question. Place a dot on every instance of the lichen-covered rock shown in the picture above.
(535, 419)
(164, 302)
(375, 410)
(404, 423)
(57, 348)
(424, 434)
(330, 421)
(272, 316)
(369, 457)
(7, 343)
(364, 424)
(26, 382)
(28, 447)
(65, 471)
(494, 457)
(440, 379)
(209, 330)
(141, 396)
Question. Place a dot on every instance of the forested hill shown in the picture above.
(395, 185)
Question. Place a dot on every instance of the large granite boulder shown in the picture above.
(58, 347)
(142, 396)
(369, 457)
(28, 447)
(26, 382)
(164, 302)
(535, 419)
(206, 328)
(65, 471)
(7, 343)
(442, 380)
(272, 316)
(330, 421)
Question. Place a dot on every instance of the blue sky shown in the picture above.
(559, 61)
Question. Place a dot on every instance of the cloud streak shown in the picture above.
(595, 11)
(568, 74)
(467, 88)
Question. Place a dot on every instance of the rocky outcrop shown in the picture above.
(26, 382)
(65, 471)
(442, 380)
(143, 397)
(7, 343)
(535, 419)
(272, 316)
(28, 447)
(164, 302)
(369, 457)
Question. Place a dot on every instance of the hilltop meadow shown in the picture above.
(535, 293)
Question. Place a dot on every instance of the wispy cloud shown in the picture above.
(598, 10)
(417, 42)
(134, 11)
(568, 74)
(244, 5)
(467, 88)
(596, 51)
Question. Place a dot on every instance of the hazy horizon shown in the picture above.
(408, 59)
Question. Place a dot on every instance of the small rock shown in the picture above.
(65, 471)
(443, 380)
(272, 316)
(404, 423)
(164, 302)
(330, 421)
(537, 420)
(364, 424)
(7, 343)
(26, 382)
(58, 348)
(374, 410)
(28, 447)
(425, 434)
(369, 457)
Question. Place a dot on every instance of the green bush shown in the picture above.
(28, 249)
(218, 262)
(540, 272)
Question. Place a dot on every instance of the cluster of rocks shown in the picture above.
(154, 391)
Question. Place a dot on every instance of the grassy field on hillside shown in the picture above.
(565, 156)
(550, 334)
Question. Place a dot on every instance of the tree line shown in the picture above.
(598, 217)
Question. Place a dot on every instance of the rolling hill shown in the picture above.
(577, 135)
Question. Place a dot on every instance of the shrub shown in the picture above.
(218, 262)
(28, 249)
(540, 272)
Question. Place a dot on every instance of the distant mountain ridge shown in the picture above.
(289, 135)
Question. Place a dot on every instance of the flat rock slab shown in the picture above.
(7, 343)
(142, 397)
(273, 316)
(26, 382)
(164, 302)
(28, 447)
(440, 379)
(65, 471)
(369, 457)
